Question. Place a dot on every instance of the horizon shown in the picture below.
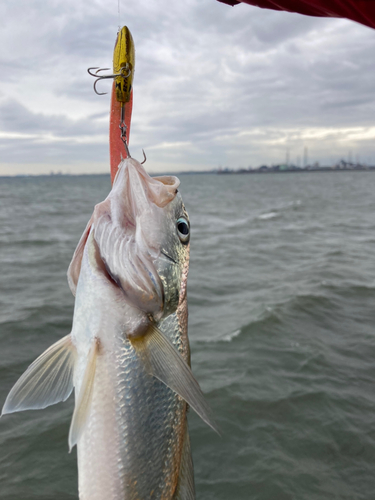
(341, 165)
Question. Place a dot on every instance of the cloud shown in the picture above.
(214, 85)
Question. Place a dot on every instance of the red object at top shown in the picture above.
(361, 11)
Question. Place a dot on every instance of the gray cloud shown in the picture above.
(53, 154)
(15, 117)
(213, 84)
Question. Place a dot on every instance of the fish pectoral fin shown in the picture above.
(84, 397)
(185, 487)
(47, 381)
(166, 364)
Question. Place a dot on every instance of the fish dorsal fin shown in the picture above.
(165, 363)
(185, 487)
(47, 381)
(84, 397)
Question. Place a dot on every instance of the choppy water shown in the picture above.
(282, 330)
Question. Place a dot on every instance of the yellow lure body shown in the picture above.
(123, 64)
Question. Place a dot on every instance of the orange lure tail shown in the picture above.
(121, 98)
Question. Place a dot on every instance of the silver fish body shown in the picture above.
(128, 355)
(136, 429)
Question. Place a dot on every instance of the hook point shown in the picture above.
(144, 157)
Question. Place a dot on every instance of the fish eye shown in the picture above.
(183, 229)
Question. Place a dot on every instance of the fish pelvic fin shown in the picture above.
(166, 364)
(48, 380)
(185, 487)
(84, 397)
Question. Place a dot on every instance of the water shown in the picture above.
(281, 295)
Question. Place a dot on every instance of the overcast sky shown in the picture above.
(214, 85)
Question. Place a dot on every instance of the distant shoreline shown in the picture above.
(295, 171)
(261, 170)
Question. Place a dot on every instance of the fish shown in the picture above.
(127, 357)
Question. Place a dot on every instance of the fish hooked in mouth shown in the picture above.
(128, 230)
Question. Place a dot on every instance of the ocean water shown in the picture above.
(281, 324)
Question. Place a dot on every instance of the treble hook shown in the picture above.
(144, 157)
(100, 77)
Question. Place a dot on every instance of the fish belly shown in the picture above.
(132, 445)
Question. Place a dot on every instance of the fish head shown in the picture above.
(143, 238)
(172, 261)
(141, 232)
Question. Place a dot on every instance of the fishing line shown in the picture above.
(119, 17)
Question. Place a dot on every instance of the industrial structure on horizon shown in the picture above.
(285, 167)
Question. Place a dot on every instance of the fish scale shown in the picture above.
(151, 420)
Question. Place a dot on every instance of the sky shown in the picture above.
(215, 86)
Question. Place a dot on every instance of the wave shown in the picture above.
(270, 215)
(267, 319)
(320, 310)
(276, 211)
(228, 337)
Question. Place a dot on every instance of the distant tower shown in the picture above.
(287, 157)
(305, 156)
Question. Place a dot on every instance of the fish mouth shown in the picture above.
(128, 229)
(168, 257)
